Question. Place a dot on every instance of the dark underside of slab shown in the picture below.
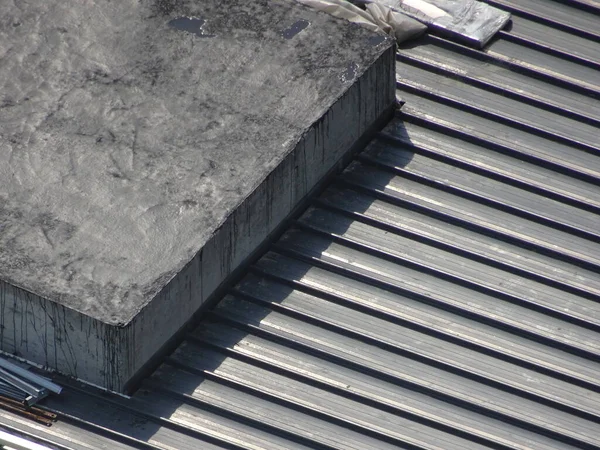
(442, 293)
(147, 148)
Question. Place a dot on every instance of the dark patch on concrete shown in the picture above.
(295, 28)
(376, 40)
(191, 25)
(7, 103)
(55, 231)
(350, 73)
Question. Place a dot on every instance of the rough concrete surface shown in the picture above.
(140, 137)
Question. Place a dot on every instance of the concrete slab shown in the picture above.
(147, 147)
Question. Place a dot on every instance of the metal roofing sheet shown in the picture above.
(443, 292)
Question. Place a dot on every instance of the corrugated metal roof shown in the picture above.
(443, 292)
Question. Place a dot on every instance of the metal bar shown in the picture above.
(19, 383)
(32, 377)
(5, 387)
(33, 409)
(15, 407)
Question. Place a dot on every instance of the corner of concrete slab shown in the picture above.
(61, 339)
(364, 108)
(221, 243)
(114, 356)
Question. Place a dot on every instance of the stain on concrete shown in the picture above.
(295, 28)
(191, 25)
(350, 73)
(376, 40)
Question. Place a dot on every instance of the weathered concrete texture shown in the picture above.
(147, 147)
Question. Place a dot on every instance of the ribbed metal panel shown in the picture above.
(443, 292)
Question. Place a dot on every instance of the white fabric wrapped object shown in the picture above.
(376, 18)
(394, 23)
(468, 21)
(344, 10)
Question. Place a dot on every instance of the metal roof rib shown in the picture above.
(574, 17)
(442, 292)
